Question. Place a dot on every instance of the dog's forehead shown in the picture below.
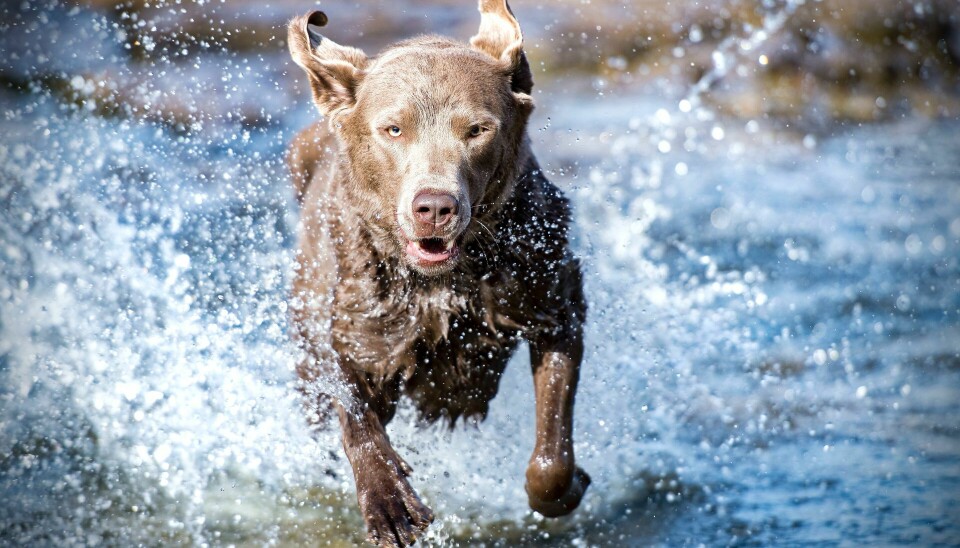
(438, 69)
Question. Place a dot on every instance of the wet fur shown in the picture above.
(516, 278)
(375, 326)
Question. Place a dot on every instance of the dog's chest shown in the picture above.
(381, 334)
(432, 312)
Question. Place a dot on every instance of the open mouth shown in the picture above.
(432, 251)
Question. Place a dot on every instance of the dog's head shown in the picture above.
(431, 129)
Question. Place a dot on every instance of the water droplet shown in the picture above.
(720, 218)
(819, 356)
(913, 244)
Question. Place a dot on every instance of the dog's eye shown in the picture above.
(394, 131)
(476, 130)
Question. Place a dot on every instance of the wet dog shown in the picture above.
(431, 245)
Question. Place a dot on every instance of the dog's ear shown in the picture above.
(499, 36)
(334, 70)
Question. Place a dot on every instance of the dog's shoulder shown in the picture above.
(310, 152)
(536, 219)
(536, 264)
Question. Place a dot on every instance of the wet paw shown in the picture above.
(566, 502)
(393, 512)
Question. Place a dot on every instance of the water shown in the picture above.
(773, 345)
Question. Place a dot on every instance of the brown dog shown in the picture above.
(431, 245)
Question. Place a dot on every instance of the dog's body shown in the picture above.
(431, 245)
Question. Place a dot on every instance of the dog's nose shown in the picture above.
(435, 208)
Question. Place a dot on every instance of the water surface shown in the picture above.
(773, 343)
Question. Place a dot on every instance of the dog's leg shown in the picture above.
(555, 484)
(393, 512)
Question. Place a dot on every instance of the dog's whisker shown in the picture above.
(493, 238)
(480, 245)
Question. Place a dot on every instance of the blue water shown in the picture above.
(773, 343)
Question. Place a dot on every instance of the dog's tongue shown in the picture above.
(430, 251)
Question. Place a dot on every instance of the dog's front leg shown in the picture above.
(555, 484)
(393, 512)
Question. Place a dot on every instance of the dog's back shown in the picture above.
(309, 153)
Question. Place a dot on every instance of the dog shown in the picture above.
(431, 245)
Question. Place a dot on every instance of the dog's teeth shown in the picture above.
(449, 245)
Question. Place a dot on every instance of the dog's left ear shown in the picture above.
(499, 36)
(335, 71)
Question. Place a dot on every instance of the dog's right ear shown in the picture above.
(334, 71)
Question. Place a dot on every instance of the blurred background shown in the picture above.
(767, 200)
(815, 63)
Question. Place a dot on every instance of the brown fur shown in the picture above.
(376, 323)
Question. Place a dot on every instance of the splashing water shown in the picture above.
(725, 56)
(772, 343)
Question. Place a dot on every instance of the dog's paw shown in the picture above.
(561, 505)
(393, 512)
